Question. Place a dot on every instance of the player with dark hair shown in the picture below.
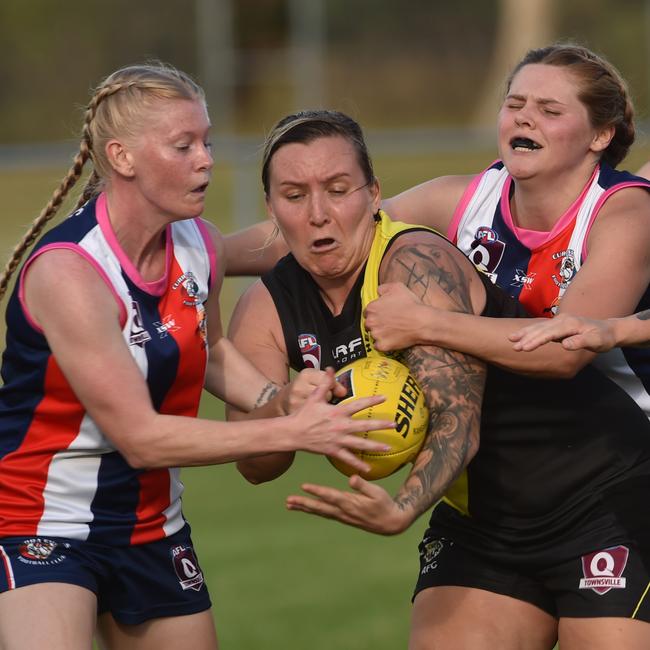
(548, 222)
(539, 518)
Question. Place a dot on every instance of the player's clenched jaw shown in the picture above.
(320, 199)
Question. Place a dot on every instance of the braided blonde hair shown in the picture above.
(117, 108)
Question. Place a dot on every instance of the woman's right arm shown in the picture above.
(579, 333)
(79, 317)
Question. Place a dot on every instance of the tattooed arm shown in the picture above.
(452, 383)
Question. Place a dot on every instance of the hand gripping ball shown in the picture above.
(404, 404)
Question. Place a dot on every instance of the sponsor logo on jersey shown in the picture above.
(346, 352)
(486, 251)
(310, 350)
(42, 551)
(168, 324)
(566, 268)
(187, 568)
(138, 334)
(523, 279)
(603, 570)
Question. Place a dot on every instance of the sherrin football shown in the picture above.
(404, 404)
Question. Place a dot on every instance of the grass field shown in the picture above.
(281, 580)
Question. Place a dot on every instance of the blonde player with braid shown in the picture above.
(112, 332)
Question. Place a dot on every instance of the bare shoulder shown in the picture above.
(435, 270)
(431, 203)
(45, 272)
(625, 214)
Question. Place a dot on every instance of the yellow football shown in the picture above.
(404, 404)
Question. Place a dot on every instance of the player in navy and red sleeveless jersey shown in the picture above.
(559, 228)
(113, 330)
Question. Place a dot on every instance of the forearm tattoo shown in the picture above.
(452, 382)
(268, 393)
(644, 315)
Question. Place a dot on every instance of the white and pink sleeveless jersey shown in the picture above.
(59, 474)
(536, 268)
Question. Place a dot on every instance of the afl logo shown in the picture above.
(486, 250)
(309, 350)
(486, 235)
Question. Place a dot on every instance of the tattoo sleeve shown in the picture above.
(452, 382)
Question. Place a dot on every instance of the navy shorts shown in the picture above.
(611, 581)
(133, 583)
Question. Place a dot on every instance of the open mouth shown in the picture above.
(524, 144)
(200, 189)
(325, 242)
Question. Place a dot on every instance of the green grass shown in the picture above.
(287, 580)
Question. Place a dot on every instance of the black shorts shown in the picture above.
(133, 583)
(611, 581)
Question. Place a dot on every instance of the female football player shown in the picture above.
(113, 331)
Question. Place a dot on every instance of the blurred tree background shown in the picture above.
(388, 63)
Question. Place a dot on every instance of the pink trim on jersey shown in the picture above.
(9, 572)
(89, 258)
(599, 204)
(470, 190)
(155, 288)
(533, 239)
(24, 471)
(209, 246)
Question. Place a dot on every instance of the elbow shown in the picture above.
(263, 469)
(140, 459)
(567, 367)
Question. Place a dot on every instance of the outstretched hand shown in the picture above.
(368, 507)
(327, 429)
(574, 332)
(390, 318)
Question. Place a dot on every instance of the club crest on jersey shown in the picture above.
(566, 268)
(603, 570)
(486, 251)
(40, 550)
(430, 549)
(187, 568)
(189, 287)
(309, 350)
(523, 279)
(138, 334)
